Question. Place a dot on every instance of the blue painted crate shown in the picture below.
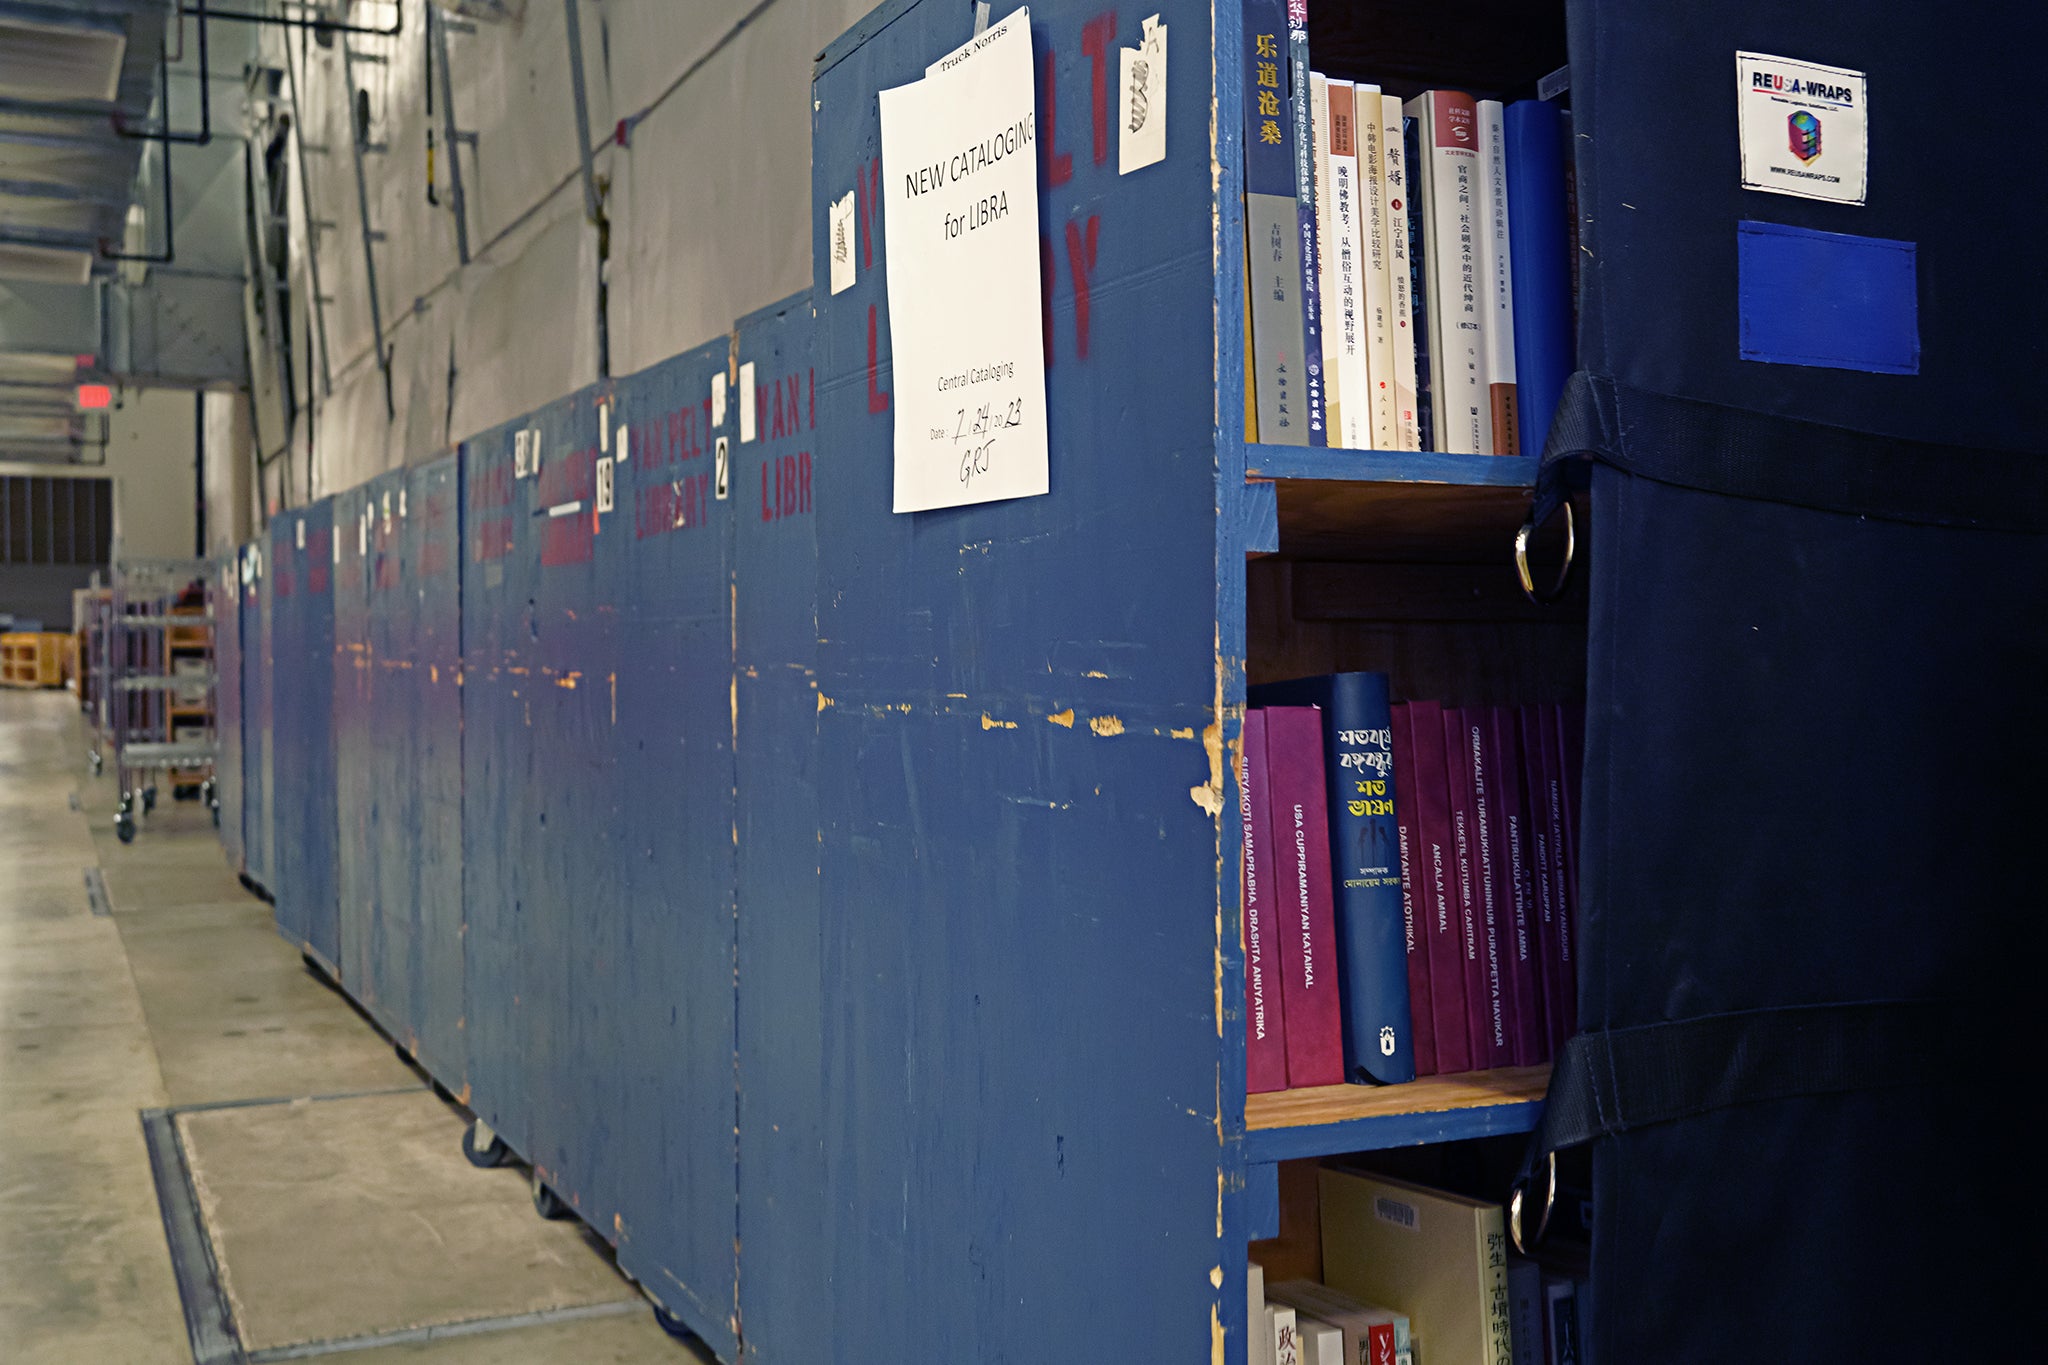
(258, 717)
(302, 680)
(224, 599)
(432, 841)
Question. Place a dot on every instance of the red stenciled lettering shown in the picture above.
(803, 480)
(769, 419)
(1081, 265)
(1096, 36)
(767, 503)
(878, 400)
(870, 193)
(1057, 165)
(675, 437)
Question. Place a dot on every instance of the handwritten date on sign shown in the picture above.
(974, 434)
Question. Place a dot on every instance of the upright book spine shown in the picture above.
(1571, 761)
(1327, 302)
(1418, 280)
(1458, 304)
(1537, 226)
(1307, 941)
(1345, 315)
(1436, 852)
(1531, 1038)
(1265, 1038)
(1414, 927)
(1301, 108)
(1465, 890)
(1542, 862)
(1394, 173)
(1499, 281)
(1379, 292)
(1276, 357)
(1497, 950)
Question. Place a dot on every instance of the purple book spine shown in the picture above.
(1496, 943)
(1537, 765)
(1306, 928)
(1265, 1035)
(1571, 762)
(1531, 1035)
(1436, 852)
(1414, 917)
(1465, 894)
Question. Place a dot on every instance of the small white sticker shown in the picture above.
(604, 486)
(519, 443)
(845, 240)
(1397, 1212)
(387, 509)
(1141, 130)
(604, 426)
(363, 534)
(334, 544)
(1804, 128)
(533, 451)
(746, 402)
(718, 399)
(299, 528)
(623, 444)
(401, 504)
(566, 509)
(723, 457)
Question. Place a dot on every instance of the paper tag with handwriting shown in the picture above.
(1141, 131)
(746, 402)
(845, 238)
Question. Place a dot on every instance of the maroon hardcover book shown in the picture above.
(1531, 1034)
(1442, 929)
(1414, 919)
(1496, 947)
(1305, 925)
(1465, 894)
(1571, 762)
(1265, 1022)
(1547, 879)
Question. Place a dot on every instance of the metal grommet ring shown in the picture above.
(1522, 538)
(1522, 1244)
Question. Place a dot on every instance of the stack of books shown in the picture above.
(1409, 263)
(1410, 883)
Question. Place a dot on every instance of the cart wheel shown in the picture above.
(98, 764)
(546, 1202)
(216, 814)
(675, 1327)
(210, 793)
(124, 827)
(148, 799)
(492, 1153)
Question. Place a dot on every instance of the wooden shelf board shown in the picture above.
(1326, 1120)
(1388, 466)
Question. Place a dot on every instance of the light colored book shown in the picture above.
(1394, 174)
(1440, 1258)
(1286, 1335)
(1372, 1335)
(1377, 254)
(1321, 1343)
(1258, 1333)
(1345, 314)
(1326, 262)
(1449, 191)
(1499, 275)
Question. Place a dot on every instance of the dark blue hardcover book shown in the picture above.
(1301, 113)
(1537, 239)
(1365, 852)
(1418, 286)
(1275, 358)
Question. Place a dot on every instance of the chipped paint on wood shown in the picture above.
(1106, 726)
(1065, 718)
(988, 723)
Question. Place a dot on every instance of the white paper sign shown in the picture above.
(1805, 130)
(960, 200)
(604, 426)
(604, 486)
(718, 399)
(845, 241)
(1141, 132)
(300, 528)
(519, 441)
(746, 402)
(623, 444)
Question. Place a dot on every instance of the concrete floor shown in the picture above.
(332, 1220)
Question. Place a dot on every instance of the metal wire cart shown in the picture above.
(155, 680)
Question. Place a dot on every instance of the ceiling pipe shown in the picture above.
(163, 132)
(318, 25)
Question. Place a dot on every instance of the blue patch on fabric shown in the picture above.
(1828, 299)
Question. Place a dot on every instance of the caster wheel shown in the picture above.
(216, 815)
(484, 1148)
(124, 827)
(546, 1202)
(441, 1092)
(148, 799)
(674, 1326)
(98, 764)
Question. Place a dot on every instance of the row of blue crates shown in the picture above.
(824, 902)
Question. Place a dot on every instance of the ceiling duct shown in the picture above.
(78, 60)
(512, 10)
(44, 264)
